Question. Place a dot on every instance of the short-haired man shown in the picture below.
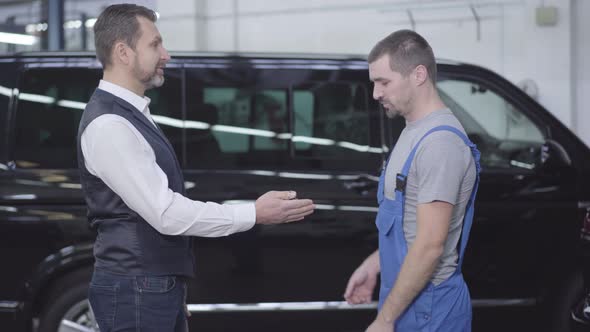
(134, 187)
(426, 194)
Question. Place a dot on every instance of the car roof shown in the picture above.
(186, 54)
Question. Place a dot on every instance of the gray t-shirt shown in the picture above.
(443, 170)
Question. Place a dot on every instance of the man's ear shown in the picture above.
(121, 53)
(420, 75)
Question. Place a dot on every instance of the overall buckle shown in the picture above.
(400, 182)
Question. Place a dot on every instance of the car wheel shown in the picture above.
(67, 308)
(570, 291)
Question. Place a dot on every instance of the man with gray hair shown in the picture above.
(426, 194)
(134, 187)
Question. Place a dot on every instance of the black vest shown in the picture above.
(126, 243)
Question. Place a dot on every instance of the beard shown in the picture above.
(391, 112)
(149, 79)
(155, 81)
(401, 108)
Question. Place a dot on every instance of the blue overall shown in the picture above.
(447, 306)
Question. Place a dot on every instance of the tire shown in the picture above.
(570, 291)
(66, 308)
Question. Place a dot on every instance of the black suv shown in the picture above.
(245, 124)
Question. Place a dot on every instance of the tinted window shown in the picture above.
(166, 108)
(506, 137)
(331, 120)
(50, 105)
(235, 121)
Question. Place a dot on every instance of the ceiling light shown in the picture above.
(17, 38)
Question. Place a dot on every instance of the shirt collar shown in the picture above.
(141, 103)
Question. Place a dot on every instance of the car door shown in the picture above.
(262, 124)
(526, 216)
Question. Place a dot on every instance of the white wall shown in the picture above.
(509, 41)
(581, 69)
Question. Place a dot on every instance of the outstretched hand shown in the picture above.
(279, 207)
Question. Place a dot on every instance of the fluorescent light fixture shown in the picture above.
(17, 38)
(90, 22)
(189, 185)
(356, 177)
(521, 164)
(357, 208)
(30, 28)
(23, 196)
(377, 150)
(75, 24)
(262, 173)
(196, 124)
(353, 146)
(167, 121)
(324, 207)
(313, 140)
(5, 91)
(36, 98)
(305, 176)
(70, 185)
(72, 104)
(245, 131)
(8, 209)
(237, 201)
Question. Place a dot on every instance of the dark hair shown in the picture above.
(406, 50)
(118, 23)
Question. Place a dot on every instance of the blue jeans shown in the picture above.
(138, 303)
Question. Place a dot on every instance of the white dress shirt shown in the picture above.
(119, 155)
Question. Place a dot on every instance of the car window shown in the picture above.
(166, 108)
(50, 105)
(233, 124)
(331, 121)
(506, 137)
(279, 118)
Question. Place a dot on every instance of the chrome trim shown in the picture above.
(583, 204)
(488, 303)
(334, 305)
(278, 306)
(9, 304)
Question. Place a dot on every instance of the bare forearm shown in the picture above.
(415, 273)
(372, 262)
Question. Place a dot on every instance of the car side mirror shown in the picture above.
(553, 155)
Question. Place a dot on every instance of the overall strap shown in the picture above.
(469, 210)
(408, 163)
